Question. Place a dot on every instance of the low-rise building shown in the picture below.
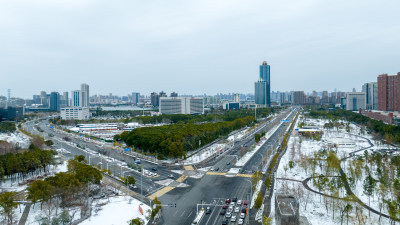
(75, 113)
(181, 105)
(355, 101)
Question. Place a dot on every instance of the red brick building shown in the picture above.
(389, 92)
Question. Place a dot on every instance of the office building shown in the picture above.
(43, 98)
(355, 101)
(75, 113)
(135, 97)
(389, 92)
(154, 99)
(371, 95)
(76, 100)
(181, 105)
(84, 95)
(299, 98)
(54, 101)
(11, 113)
(263, 86)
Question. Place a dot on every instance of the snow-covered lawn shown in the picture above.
(15, 138)
(120, 210)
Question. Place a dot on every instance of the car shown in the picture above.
(240, 221)
(244, 210)
(170, 176)
(239, 202)
(154, 169)
(216, 169)
(212, 169)
(224, 222)
(138, 162)
(233, 219)
(223, 211)
(208, 210)
(245, 202)
(242, 215)
(227, 201)
(228, 215)
(228, 163)
(224, 206)
(230, 209)
(232, 204)
(236, 209)
(234, 199)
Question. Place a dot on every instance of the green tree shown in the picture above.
(267, 220)
(259, 201)
(40, 190)
(136, 221)
(7, 205)
(291, 164)
(130, 180)
(369, 186)
(49, 143)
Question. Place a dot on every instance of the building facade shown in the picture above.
(55, 101)
(135, 97)
(75, 113)
(371, 95)
(299, 98)
(355, 101)
(181, 105)
(389, 92)
(84, 95)
(263, 86)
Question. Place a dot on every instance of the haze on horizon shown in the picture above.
(195, 47)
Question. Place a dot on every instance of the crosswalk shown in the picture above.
(188, 167)
(160, 192)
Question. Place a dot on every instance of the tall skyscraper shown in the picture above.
(389, 92)
(76, 98)
(54, 101)
(43, 98)
(65, 100)
(154, 99)
(299, 98)
(263, 86)
(85, 95)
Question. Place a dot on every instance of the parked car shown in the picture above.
(208, 210)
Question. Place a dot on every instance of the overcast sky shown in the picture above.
(195, 47)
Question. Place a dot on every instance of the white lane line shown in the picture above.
(183, 213)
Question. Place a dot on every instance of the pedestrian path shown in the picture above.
(188, 167)
(160, 192)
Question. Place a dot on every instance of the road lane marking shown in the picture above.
(215, 173)
(244, 175)
(188, 167)
(160, 192)
(181, 179)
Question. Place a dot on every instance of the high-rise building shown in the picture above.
(154, 99)
(261, 92)
(325, 97)
(355, 101)
(264, 90)
(236, 98)
(64, 100)
(162, 94)
(371, 95)
(174, 94)
(181, 105)
(299, 98)
(135, 97)
(85, 95)
(76, 98)
(389, 92)
(43, 98)
(54, 101)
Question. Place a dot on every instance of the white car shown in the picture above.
(242, 215)
(232, 204)
(233, 219)
(228, 215)
(239, 202)
(230, 209)
(240, 221)
(237, 209)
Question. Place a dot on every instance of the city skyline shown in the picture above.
(147, 47)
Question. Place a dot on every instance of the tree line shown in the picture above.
(175, 140)
(7, 127)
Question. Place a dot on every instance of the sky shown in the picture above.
(195, 47)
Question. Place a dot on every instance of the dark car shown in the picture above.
(228, 163)
(216, 169)
(225, 206)
(223, 211)
(227, 201)
(154, 169)
(208, 210)
(243, 210)
(234, 199)
(224, 222)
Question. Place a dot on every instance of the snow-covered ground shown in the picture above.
(317, 209)
(15, 138)
(120, 210)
